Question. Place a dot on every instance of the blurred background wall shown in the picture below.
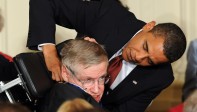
(182, 12)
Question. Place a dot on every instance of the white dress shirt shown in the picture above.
(127, 67)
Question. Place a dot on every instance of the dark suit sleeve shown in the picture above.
(101, 19)
(41, 23)
(191, 70)
(45, 14)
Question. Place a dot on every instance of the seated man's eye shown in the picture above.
(87, 80)
(102, 78)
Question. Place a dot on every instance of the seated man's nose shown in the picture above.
(96, 86)
(96, 89)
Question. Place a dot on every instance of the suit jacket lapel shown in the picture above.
(125, 88)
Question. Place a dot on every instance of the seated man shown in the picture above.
(84, 70)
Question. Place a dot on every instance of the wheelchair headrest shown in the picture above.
(33, 71)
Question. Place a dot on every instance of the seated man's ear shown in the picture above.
(149, 26)
(65, 74)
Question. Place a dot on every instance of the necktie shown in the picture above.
(114, 68)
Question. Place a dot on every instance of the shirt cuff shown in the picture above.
(40, 45)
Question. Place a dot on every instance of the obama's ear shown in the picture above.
(149, 26)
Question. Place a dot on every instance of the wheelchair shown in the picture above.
(33, 80)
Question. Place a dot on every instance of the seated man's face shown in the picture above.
(91, 79)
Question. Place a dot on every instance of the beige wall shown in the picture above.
(14, 34)
(182, 12)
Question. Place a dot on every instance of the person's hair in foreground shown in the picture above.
(12, 107)
(78, 105)
(173, 37)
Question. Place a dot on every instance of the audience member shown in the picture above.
(190, 104)
(189, 95)
(191, 70)
(1, 21)
(7, 69)
(75, 105)
(177, 108)
(78, 105)
(84, 70)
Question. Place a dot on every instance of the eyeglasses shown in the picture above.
(90, 82)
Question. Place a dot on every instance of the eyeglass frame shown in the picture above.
(90, 82)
